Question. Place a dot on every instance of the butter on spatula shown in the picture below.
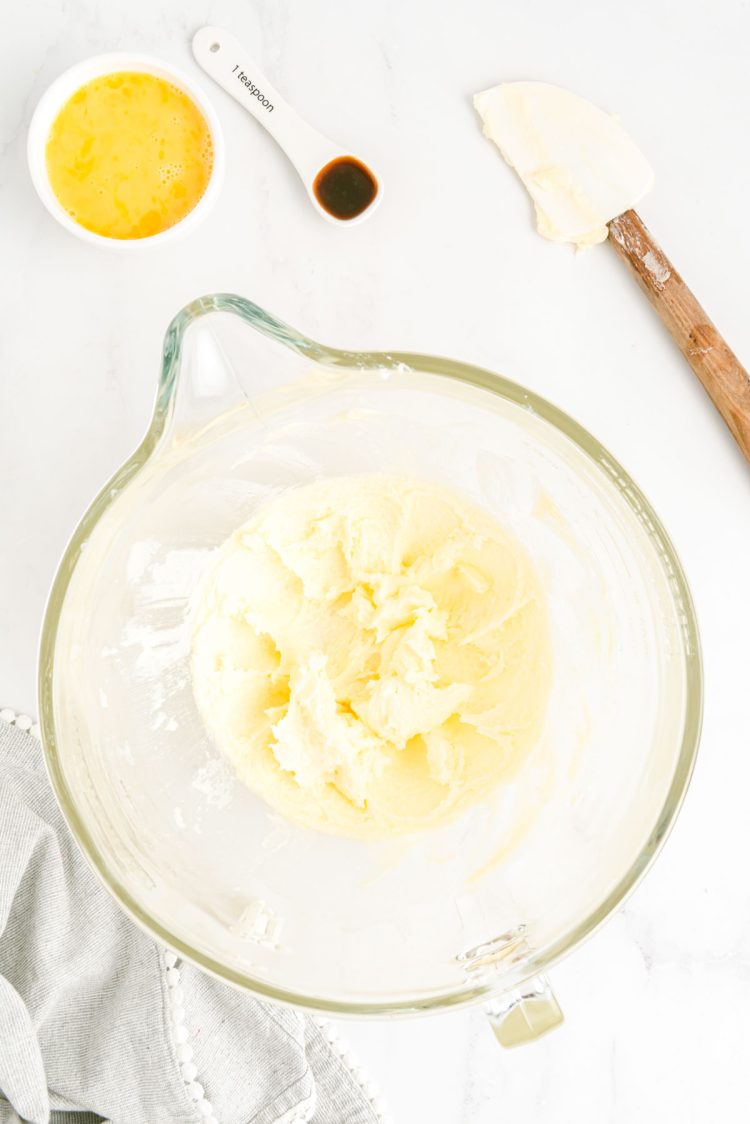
(585, 175)
(578, 164)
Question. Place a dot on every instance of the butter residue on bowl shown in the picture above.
(371, 653)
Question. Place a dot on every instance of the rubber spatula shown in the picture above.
(585, 174)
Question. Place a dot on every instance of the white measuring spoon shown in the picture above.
(336, 181)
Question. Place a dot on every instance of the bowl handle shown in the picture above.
(521, 1016)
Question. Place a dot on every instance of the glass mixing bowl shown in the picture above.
(479, 908)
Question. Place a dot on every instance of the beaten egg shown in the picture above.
(129, 155)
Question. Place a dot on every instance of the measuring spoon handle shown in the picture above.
(224, 58)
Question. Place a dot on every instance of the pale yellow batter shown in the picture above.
(371, 654)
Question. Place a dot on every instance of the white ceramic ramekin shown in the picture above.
(55, 97)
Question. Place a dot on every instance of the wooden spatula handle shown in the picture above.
(725, 379)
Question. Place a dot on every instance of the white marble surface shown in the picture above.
(658, 1003)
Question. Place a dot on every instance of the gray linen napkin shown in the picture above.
(97, 1022)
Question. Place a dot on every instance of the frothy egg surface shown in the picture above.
(129, 155)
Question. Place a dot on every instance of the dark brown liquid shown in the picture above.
(345, 188)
